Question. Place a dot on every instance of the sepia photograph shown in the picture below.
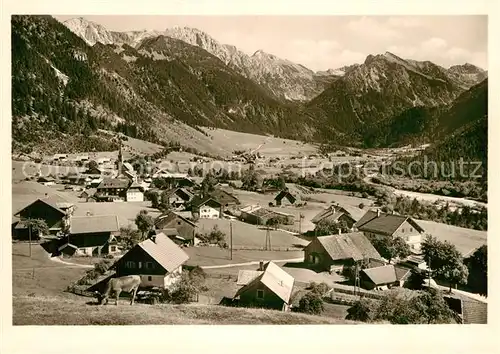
(249, 169)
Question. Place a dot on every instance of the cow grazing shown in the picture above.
(129, 283)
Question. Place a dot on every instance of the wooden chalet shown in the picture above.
(206, 207)
(54, 210)
(270, 288)
(337, 213)
(185, 228)
(179, 197)
(158, 260)
(113, 187)
(225, 198)
(334, 252)
(285, 198)
(91, 236)
(378, 224)
(384, 277)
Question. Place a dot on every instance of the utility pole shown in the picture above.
(29, 233)
(231, 240)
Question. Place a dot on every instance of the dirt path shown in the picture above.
(251, 263)
(69, 264)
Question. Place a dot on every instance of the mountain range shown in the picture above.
(78, 77)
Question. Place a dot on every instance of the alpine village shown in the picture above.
(161, 177)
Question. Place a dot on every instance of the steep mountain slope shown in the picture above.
(61, 85)
(382, 87)
(460, 133)
(466, 75)
(285, 79)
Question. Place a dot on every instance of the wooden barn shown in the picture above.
(269, 288)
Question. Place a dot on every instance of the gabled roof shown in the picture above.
(89, 192)
(54, 201)
(172, 215)
(164, 251)
(286, 194)
(113, 183)
(199, 201)
(246, 276)
(93, 224)
(128, 166)
(385, 224)
(353, 245)
(275, 279)
(179, 189)
(386, 274)
(219, 193)
(337, 210)
(167, 232)
(135, 185)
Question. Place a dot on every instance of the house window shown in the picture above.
(149, 265)
(178, 222)
(139, 265)
(403, 230)
(150, 278)
(130, 264)
(113, 248)
(260, 294)
(411, 229)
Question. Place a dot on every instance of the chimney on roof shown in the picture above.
(378, 213)
(153, 238)
(261, 266)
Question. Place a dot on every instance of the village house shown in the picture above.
(257, 215)
(179, 197)
(270, 287)
(378, 224)
(94, 171)
(339, 214)
(135, 193)
(206, 208)
(54, 210)
(225, 198)
(91, 236)
(185, 228)
(113, 187)
(286, 198)
(46, 180)
(384, 277)
(335, 252)
(88, 194)
(158, 260)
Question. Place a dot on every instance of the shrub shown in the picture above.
(183, 292)
(311, 303)
(102, 266)
(361, 311)
(361, 205)
(321, 289)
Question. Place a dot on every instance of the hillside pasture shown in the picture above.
(466, 240)
(247, 235)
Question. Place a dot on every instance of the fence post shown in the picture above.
(33, 273)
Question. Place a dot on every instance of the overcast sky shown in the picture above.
(323, 42)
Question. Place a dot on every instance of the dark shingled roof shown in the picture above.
(354, 245)
(286, 194)
(114, 183)
(170, 215)
(335, 211)
(385, 224)
(199, 201)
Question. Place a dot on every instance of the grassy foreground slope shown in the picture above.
(64, 311)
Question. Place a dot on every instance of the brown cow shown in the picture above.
(128, 283)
